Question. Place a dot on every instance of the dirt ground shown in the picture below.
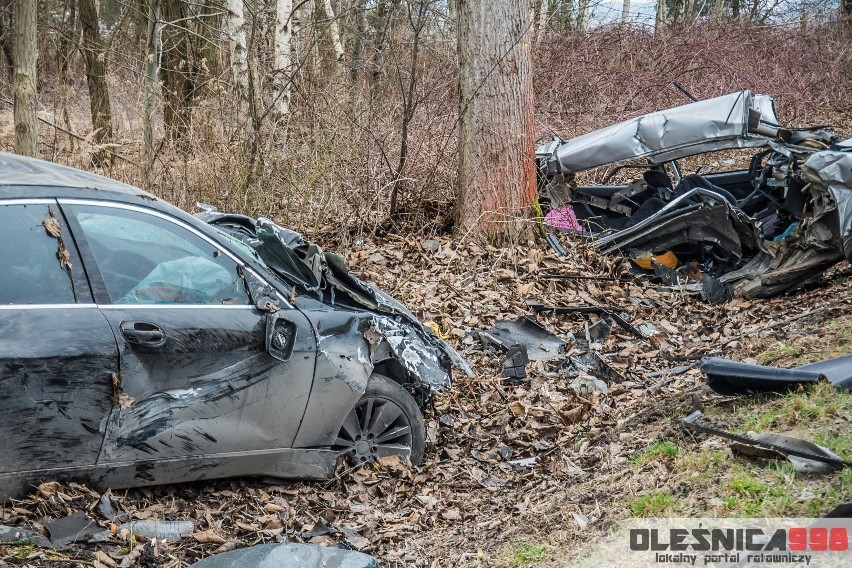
(521, 475)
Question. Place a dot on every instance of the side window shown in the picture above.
(36, 266)
(149, 260)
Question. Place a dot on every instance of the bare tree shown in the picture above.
(496, 170)
(24, 81)
(283, 61)
(152, 69)
(96, 74)
(235, 31)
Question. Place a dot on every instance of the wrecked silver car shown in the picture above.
(763, 230)
(140, 345)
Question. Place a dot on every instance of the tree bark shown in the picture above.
(24, 81)
(283, 38)
(496, 168)
(625, 11)
(846, 9)
(235, 30)
(661, 19)
(96, 72)
(334, 31)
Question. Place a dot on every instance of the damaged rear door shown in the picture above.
(57, 352)
(196, 378)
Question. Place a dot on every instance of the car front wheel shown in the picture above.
(385, 421)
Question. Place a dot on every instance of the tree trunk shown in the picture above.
(543, 18)
(846, 8)
(661, 15)
(96, 72)
(24, 81)
(625, 11)
(235, 30)
(582, 14)
(282, 79)
(177, 70)
(7, 41)
(152, 69)
(334, 31)
(66, 40)
(496, 168)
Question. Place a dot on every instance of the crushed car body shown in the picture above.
(763, 230)
(140, 345)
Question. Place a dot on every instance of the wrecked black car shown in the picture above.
(140, 345)
(762, 230)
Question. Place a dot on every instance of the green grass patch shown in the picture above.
(526, 554)
(778, 351)
(817, 403)
(652, 504)
(707, 463)
(656, 451)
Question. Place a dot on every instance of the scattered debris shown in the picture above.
(731, 377)
(514, 366)
(805, 456)
(541, 345)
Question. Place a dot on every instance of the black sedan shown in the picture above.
(141, 345)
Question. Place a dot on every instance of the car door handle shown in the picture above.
(142, 333)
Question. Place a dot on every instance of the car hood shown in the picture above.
(737, 120)
(326, 276)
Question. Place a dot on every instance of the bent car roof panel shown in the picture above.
(703, 126)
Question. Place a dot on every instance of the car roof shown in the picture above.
(18, 170)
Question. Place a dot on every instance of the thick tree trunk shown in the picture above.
(282, 79)
(496, 168)
(235, 30)
(96, 72)
(152, 69)
(661, 19)
(24, 81)
(625, 11)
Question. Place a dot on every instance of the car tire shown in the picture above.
(385, 421)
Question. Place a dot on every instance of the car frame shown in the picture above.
(763, 230)
(130, 385)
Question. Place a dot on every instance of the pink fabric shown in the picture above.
(563, 218)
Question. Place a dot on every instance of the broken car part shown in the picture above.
(731, 377)
(800, 449)
(289, 555)
(608, 313)
(140, 345)
(802, 465)
(541, 344)
(764, 230)
(513, 369)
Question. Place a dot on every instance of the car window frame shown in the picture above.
(80, 286)
(97, 284)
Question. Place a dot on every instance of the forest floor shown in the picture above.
(524, 475)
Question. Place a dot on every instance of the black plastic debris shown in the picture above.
(289, 555)
(77, 527)
(805, 456)
(513, 369)
(607, 313)
(541, 344)
(731, 377)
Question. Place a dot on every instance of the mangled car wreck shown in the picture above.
(140, 345)
(762, 230)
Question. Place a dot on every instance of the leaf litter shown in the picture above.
(502, 462)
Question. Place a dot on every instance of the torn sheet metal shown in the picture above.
(731, 377)
(801, 449)
(541, 344)
(289, 555)
(736, 120)
(419, 359)
(325, 276)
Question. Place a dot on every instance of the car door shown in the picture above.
(57, 351)
(196, 377)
